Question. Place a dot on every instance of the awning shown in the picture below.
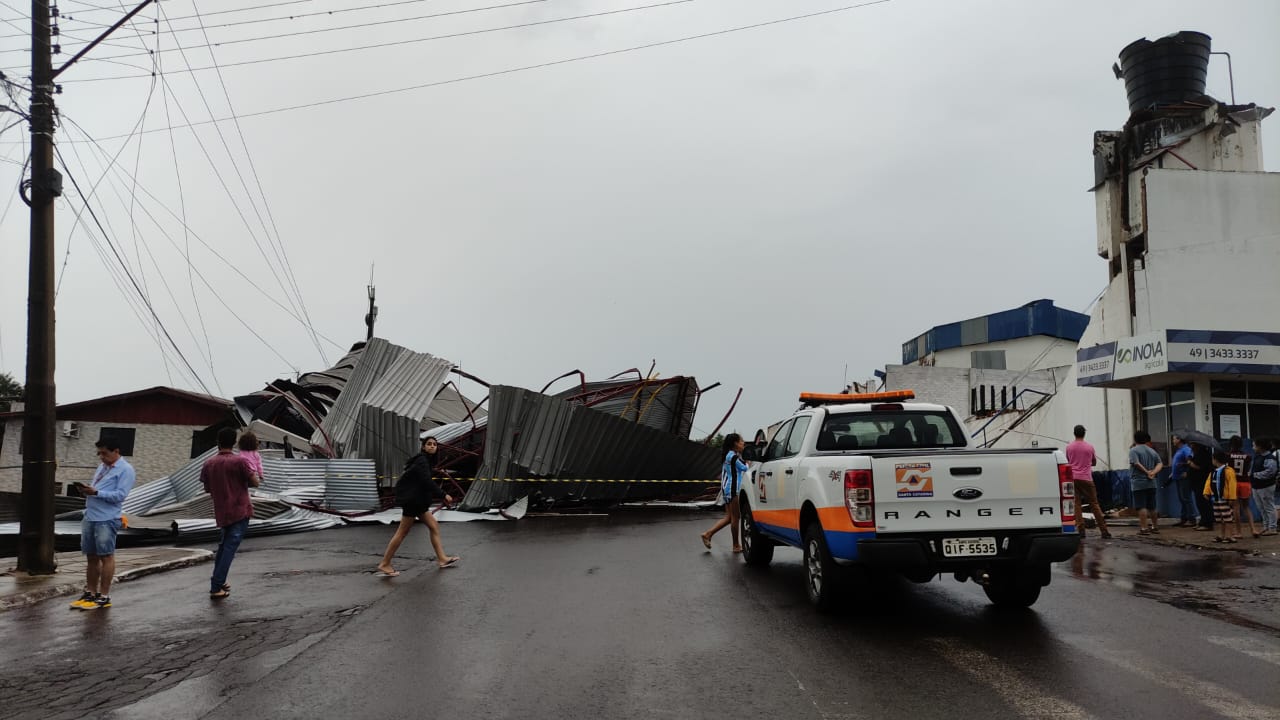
(1167, 357)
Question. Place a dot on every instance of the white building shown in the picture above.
(1187, 333)
(999, 371)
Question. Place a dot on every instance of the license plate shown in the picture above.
(968, 547)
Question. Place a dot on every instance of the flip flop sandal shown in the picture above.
(1231, 540)
(393, 573)
(706, 541)
(219, 594)
(452, 562)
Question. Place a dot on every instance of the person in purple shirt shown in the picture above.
(227, 478)
(1082, 457)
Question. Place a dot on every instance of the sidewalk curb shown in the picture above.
(39, 596)
(46, 593)
(199, 556)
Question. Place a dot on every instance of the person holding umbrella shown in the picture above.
(1199, 467)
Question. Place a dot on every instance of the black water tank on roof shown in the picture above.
(1166, 71)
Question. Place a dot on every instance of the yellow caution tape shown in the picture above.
(543, 480)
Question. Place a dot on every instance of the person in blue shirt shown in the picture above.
(103, 499)
(732, 476)
(1178, 474)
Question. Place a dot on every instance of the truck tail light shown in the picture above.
(860, 498)
(1067, 493)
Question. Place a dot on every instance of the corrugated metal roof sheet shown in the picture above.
(534, 435)
(450, 406)
(390, 417)
(351, 485)
(451, 432)
(666, 405)
(183, 485)
(340, 424)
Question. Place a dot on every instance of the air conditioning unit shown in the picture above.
(71, 429)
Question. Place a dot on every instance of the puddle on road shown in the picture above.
(1226, 585)
(1111, 564)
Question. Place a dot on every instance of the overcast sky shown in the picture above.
(764, 208)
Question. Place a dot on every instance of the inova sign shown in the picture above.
(1141, 355)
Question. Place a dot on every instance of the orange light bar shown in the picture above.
(833, 398)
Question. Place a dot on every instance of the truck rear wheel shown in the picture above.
(757, 550)
(1014, 589)
(820, 570)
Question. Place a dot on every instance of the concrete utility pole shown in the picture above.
(39, 451)
(35, 541)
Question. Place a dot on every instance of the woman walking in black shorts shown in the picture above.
(414, 492)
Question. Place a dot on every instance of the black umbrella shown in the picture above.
(1195, 436)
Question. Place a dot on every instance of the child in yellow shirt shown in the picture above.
(1220, 489)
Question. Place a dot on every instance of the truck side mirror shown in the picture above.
(753, 453)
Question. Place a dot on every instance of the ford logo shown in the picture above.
(968, 493)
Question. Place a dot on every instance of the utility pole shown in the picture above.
(35, 541)
(39, 451)
(372, 316)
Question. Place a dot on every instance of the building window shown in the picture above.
(124, 436)
(987, 359)
(1248, 409)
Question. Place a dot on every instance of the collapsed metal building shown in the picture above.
(565, 451)
(381, 398)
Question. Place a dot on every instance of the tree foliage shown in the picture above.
(10, 390)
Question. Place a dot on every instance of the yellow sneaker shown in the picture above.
(84, 603)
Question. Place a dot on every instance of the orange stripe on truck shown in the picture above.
(832, 518)
(787, 519)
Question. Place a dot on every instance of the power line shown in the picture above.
(538, 66)
(212, 291)
(358, 26)
(99, 8)
(244, 185)
(339, 11)
(282, 255)
(396, 43)
(186, 228)
(85, 201)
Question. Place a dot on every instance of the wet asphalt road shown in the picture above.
(627, 617)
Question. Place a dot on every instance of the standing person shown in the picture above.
(732, 473)
(1266, 469)
(227, 477)
(414, 492)
(1145, 465)
(1242, 462)
(1179, 466)
(1220, 489)
(1082, 458)
(1198, 469)
(248, 445)
(112, 482)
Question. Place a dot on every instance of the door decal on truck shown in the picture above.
(913, 480)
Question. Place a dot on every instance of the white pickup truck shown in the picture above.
(865, 483)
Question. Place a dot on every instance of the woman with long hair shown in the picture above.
(414, 492)
(732, 474)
